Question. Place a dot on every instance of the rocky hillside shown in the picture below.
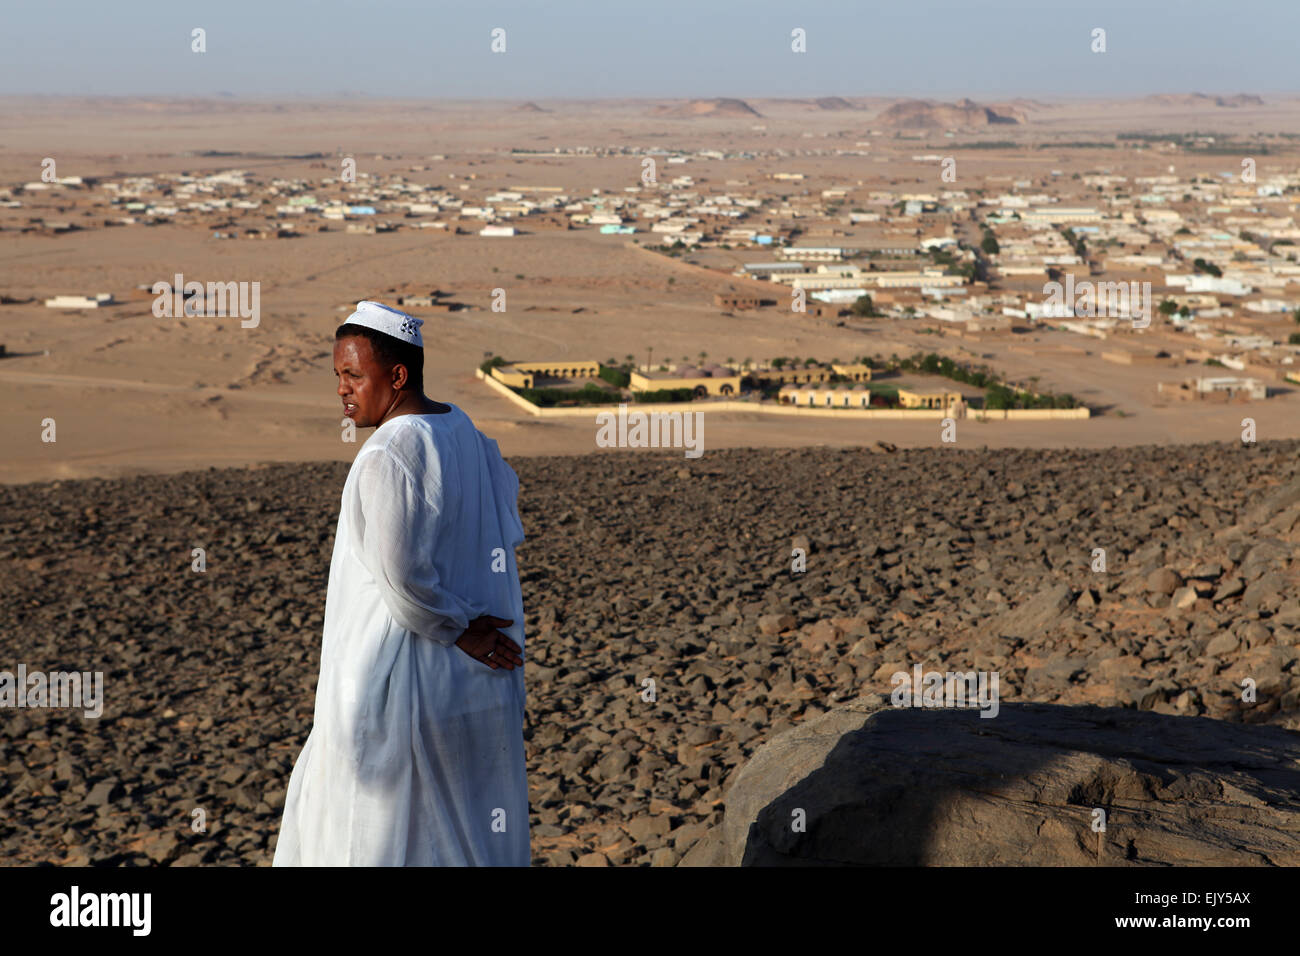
(964, 114)
(720, 106)
(638, 567)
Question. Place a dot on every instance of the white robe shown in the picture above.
(416, 754)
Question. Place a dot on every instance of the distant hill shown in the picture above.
(813, 105)
(1021, 105)
(530, 107)
(833, 103)
(1194, 100)
(965, 114)
(721, 106)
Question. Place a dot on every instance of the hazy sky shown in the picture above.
(659, 48)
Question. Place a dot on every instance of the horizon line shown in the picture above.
(357, 94)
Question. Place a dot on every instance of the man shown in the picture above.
(416, 753)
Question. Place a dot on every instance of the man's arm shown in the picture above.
(395, 530)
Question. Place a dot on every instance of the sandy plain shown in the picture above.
(132, 393)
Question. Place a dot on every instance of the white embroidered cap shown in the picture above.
(381, 318)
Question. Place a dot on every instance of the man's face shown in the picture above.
(365, 385)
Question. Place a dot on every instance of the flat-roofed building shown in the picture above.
(855, 371)
(710, 380)
(761, 270)
(1233, 387)
(1214, 389)
(80, 301)
(524, 374)
(812, 252)
(840, 295)
(725, 300)
(792, 375)
(902, 280)
(837, 277)
(1060, 214)
(910, 398)
(825, 396)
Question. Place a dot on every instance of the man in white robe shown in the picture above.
(416, 753)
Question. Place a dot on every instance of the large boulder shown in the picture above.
(879, 785)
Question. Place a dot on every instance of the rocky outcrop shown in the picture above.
(871, 784)
(1200, 100)
(721, 106)
(833, 103)
(964, 114)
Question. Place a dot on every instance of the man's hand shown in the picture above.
(483, 642)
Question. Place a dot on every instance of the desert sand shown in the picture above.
(132, 393)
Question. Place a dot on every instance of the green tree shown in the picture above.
(864, 307)
(615, 376)
(989, 244)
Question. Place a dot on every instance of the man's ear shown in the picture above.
(400, 377)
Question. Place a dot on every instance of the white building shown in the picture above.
(1062, 214)
(903, 280)
(812, 252)
(1250, 387)
(1223, 286)
(79, 301)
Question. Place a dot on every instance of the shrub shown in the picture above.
(665, 395)
(590, 394)
(615, 376)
